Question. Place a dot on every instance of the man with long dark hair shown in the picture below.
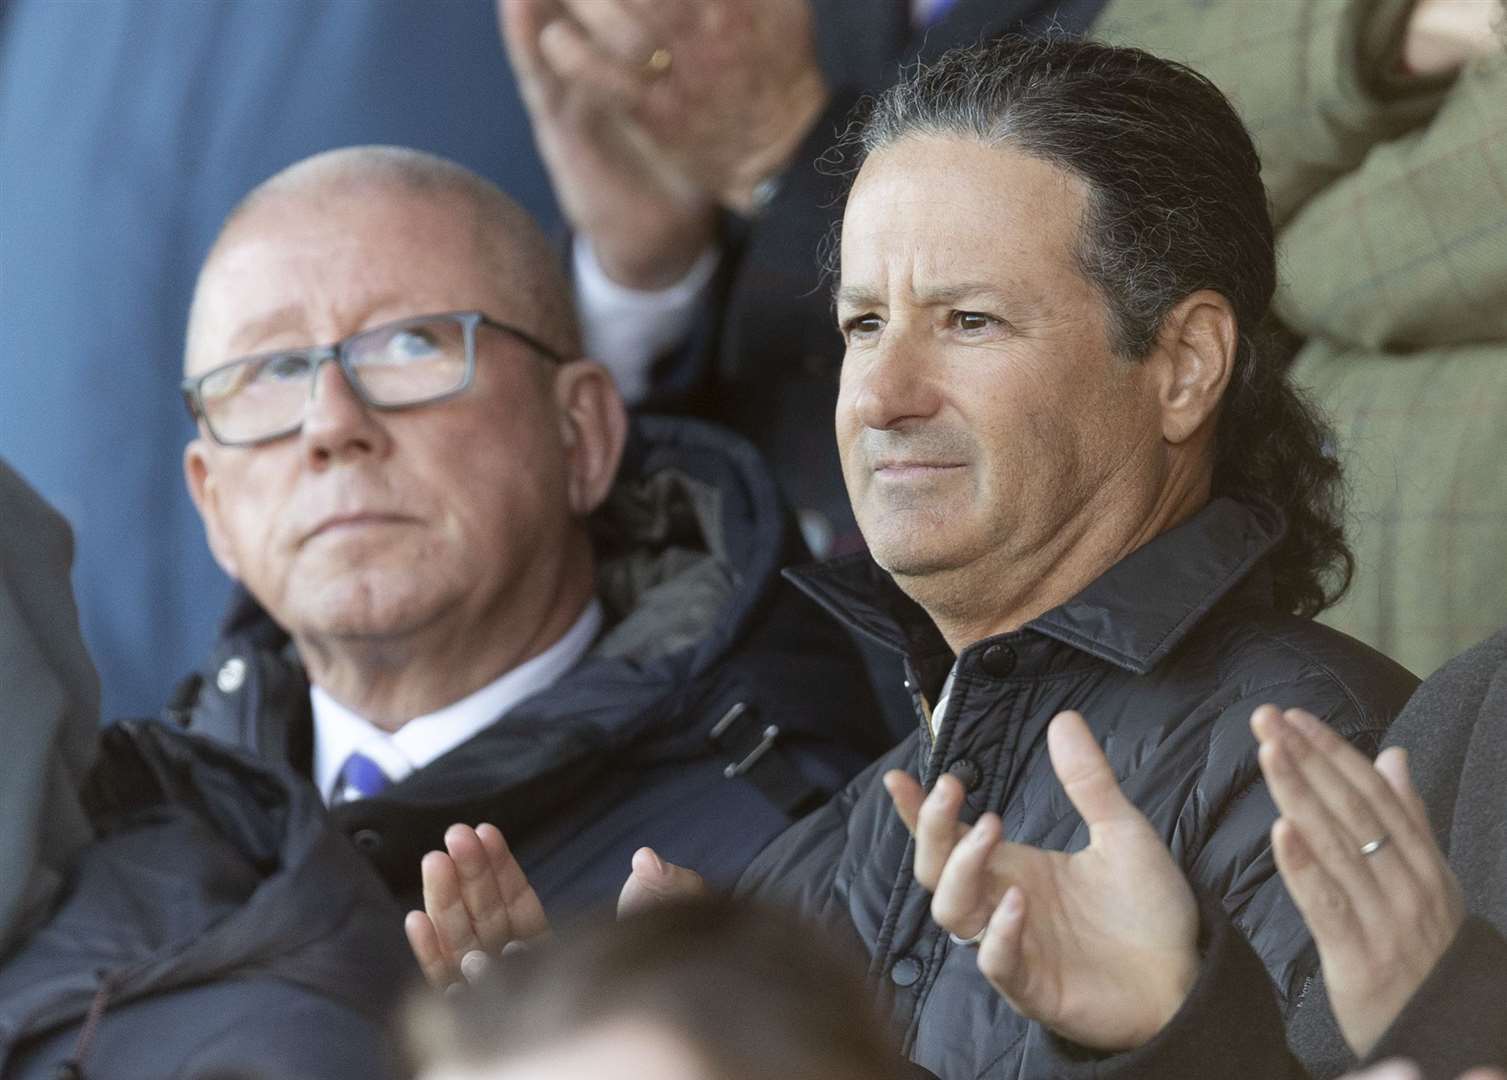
(1084, 484)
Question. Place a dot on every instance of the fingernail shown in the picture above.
(1301, 720)
(474, 965)
(659, 864)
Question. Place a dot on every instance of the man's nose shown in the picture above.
(894, 381)
(336, 424)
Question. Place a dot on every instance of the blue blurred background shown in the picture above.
(128, 129)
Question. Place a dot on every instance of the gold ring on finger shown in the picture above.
(658, 64)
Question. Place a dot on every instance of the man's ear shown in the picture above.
(204, 490)
(1195, 356)
(593, 428)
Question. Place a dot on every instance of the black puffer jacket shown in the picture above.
(1166, 654)
(217, 927)
(706, 651)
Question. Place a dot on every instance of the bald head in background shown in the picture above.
(413, 554)
(504, 236)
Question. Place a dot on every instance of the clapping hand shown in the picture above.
(1357, 854)
(478, 902)
(649, 114)
(725, 89)
(1100, 945)
(646, 220)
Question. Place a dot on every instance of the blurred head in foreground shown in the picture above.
(689, 991)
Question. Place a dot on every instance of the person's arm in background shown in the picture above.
(1383, 167)
(1409, 250)
(1317, 82)
(48, 715)
(655, 121)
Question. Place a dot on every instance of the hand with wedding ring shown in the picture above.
(1356, 851)
(1100, 945)
(709, 97)
(646, 221)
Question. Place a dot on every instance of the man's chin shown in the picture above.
(907, 558)
(359, 611)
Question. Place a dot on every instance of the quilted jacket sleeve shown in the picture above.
(1458, 1017)
(1229, 854)
(809, 866)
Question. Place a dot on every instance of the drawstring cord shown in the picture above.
(73, 1068)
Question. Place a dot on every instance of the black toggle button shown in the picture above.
(997, 660)
(367, 841)
(966, 772)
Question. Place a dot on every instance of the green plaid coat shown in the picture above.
(1390, 196)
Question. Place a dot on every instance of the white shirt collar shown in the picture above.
(338, 731)
(939, 710)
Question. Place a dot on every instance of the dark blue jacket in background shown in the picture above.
(219, 927)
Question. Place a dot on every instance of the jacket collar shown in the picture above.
(1132, 615)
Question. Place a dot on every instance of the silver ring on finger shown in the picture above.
(969, 942)
(1371, 847)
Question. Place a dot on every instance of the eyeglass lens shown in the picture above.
(406, 363)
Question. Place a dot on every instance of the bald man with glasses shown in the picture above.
(471, 588)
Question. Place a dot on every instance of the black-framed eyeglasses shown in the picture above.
(414, 361)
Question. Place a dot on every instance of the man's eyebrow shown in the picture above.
(855, 296)
(287, 317)
(293, 317)
(858, 296)
(954, 292)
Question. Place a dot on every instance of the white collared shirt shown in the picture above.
(338, 731)
(625, 329)
(939, 710)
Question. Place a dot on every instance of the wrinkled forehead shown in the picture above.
(949, 207)
(306, 269)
